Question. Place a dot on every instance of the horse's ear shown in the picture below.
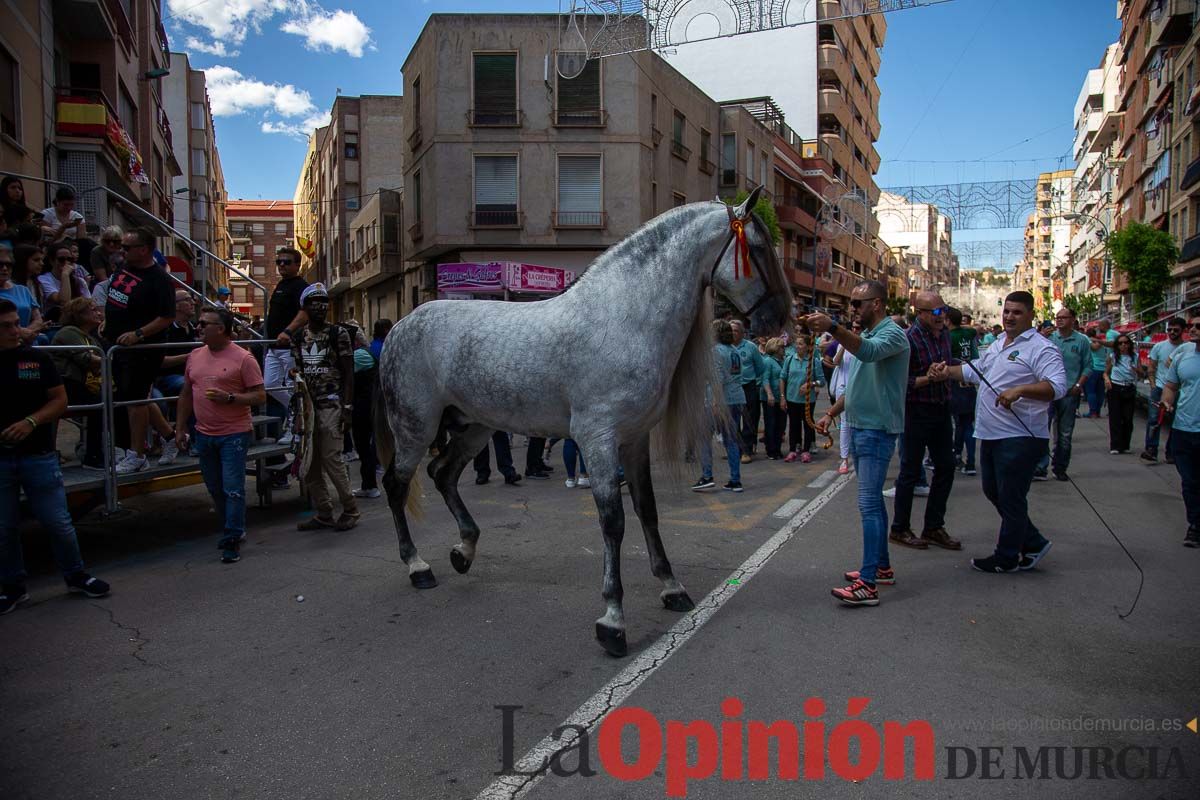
(743, 210)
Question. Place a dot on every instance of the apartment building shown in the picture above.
(198, 192)
(258, 229)
(1184, 207)
(1097, 127)
(376, 259)
(509, 163)
(926, 237)
(357, 154)
(1048, 238)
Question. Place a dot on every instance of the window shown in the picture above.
(237, 227)
(749, 164)
(416, 196)
(199, 118)
(257, 228)
(258, 270)
(765, 171)
(416, 93)
(579, 97)
(495, 99)
(351, 145)
(705, 144)
(678, 122)
(200, 208)
(260, 250)
(10, 103)
(199, 162)
(281, 227)
(653, 112)
(579, 191)
(159, 173)
(728, 159)
(128, 114)
(496, 190)
(391, 233)
(677, 199)
(654, 198)
(352, 204)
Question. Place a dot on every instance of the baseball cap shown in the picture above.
(223, 291)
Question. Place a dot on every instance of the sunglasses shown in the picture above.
(858, 303)
(283, 262)
(937, 312)
(8, 264)
(128, 247)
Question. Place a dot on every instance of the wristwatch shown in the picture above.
(229, 398)
(138, 333)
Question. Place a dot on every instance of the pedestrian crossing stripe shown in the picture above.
(789, 508)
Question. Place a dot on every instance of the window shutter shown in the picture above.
(496, 183)
(579, 98)
(495, 88)
(578, 184)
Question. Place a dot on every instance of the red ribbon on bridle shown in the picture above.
(741, 249)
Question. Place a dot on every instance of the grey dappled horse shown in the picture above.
(626, 348)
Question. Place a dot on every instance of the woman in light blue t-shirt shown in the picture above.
(1121, 373)
(29, 315)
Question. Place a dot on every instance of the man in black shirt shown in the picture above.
(285, 318)
(34, 398)
(140, 308)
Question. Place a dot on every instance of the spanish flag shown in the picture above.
(307, 247)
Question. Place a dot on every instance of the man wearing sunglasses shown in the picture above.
(1160, 355)
(285, 318)
(874, 405)
(927, 425)
(1181, 397)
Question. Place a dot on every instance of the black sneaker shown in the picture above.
(1030, 560)
(10, 596)
(512, 480)
(480, 480)
(1041, 475)
(702, 484)
(1061, 475)
(1149, 455)
(993, 564)
(538, 476)
(82, 583)
(733, 486)
(230, 551)
(1191, 540)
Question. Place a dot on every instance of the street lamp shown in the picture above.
(1076, 216)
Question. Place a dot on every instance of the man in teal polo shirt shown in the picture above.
(1101, 344)
(752, 371)
(1181, 395)
(1077, 356)
(874, 406)
(1160, 355)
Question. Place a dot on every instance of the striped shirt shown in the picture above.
(925, 350)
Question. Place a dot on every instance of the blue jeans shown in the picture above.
(570, 451)
(872, 452)
(733, 452)
(1153, 427)
(1094, 388)
(1006, 470)
(41, 478)
(1186, 450)
(1062, 420)
(223, 465)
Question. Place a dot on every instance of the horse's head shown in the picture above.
(748, 273)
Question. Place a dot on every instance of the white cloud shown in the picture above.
(299, 130)
(228, 22)
(341, 30)
(232, 93)
(192, 44)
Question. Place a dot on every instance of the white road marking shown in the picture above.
(790, 508)
(823, 479)
(646, 663)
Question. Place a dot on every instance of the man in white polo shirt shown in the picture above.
(1019, 376)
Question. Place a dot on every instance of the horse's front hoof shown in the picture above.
(423, 579)
(612, 640)
(677, 601)
(459, 561)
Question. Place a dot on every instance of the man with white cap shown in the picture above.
(324, 356)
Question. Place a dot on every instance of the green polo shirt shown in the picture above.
(878, 379)
(1076, 351)
(752, 362)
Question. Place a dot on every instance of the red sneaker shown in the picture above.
(857, 594)
(883, 577)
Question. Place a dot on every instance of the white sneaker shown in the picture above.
(169, 453)
(350, 457)
(131, 463)
(920, 491)
(287, 438)
(583, 482)
(371, 493)
(890, 492)
(570, 483)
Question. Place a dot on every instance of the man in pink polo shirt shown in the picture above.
(220, 383)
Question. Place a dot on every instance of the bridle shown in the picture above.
(736, 234)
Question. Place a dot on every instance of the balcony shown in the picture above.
(491, 118)
(87, 20)
(498, 220)
(681, 152)
(795, 218)
(1189, 252)
(579, 220)
(374, 267)
(1191, 178)
(831, 56)
(707, 167)
(88, 114)
(339, 281)
(1170, 21)
(586, 118)
(414, 139)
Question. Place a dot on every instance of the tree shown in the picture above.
(1145, 255)
(1084, 305)
(766, 212)
(897, 305)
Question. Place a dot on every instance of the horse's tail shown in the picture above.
(385, 450)
(694, 400)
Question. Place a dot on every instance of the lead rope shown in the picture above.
(811, 396)
(1141, 574)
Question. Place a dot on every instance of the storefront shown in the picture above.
(497, 280)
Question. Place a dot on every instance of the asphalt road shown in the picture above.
(201, 680)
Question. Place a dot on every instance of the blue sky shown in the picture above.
(960, 81)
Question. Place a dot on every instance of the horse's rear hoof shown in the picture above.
(459, 562)
(423, 579)
(612, 640)
(677, 601)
